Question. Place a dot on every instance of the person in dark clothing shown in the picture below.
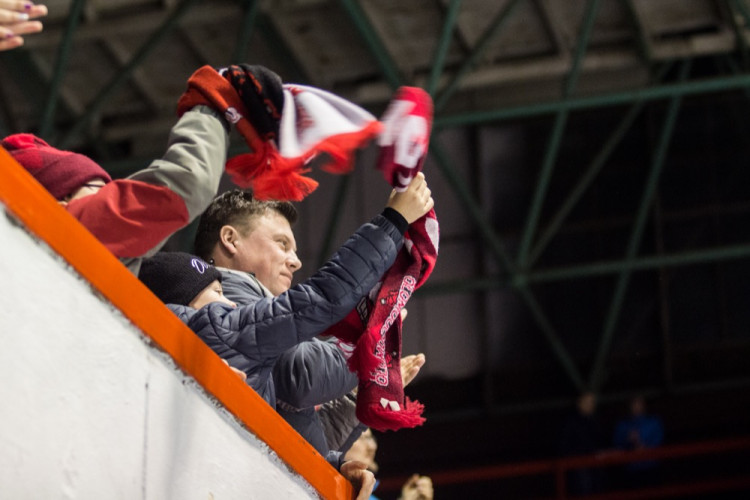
(636, 432)
(581, 435)
(251, 242)
(253, 336)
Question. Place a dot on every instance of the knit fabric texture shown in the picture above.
(60, 172)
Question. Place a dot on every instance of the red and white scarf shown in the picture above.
(313, 121)
(371, 334)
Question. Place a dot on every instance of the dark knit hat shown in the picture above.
(262, 92)
(60, 172)
(177, 277)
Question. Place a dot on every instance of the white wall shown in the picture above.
(88, 410)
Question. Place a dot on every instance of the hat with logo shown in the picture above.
(60, 172)
(177, 277)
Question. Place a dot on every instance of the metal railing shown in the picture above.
(672, 485)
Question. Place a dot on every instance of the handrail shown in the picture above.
(40, 213)
(558, 468)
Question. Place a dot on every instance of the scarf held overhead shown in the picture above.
(312, 122)
(371, 334)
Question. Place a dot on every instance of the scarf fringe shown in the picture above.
(384, 419)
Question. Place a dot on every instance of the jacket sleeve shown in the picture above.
(312, 373)
(194, 161)
(262, 330)
(340, 424)
(133, 217)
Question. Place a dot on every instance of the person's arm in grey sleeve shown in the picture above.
(194, 161)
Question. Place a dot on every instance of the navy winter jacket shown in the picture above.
(256, 334)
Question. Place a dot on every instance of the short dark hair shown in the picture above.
(234, 208)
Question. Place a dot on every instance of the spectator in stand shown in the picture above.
(364, 449)
(640, 431)
(581, 435)
(17, 18)
(251, 242)
(133, 217)
(275, 317)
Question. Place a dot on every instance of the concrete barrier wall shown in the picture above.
(91, 410)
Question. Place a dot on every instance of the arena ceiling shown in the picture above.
(109, 71)
(615, 227)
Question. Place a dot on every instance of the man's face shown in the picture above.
(269, 251)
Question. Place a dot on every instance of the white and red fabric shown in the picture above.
(407, 123)
(313, 121)
(370, 336)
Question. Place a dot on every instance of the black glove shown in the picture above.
(261, 91)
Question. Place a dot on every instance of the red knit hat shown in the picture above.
(60, 172)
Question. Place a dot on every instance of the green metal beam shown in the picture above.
(592, 171)
(498, 251)
(61, 65)
(469, 202)
(588, 177)
(246, 31)
(373, 42)
(553, 146)
(443, 45)
(124, 74)
(604, 268)
(482, 43)
(647, 94)
(552, 337)
(597, 372)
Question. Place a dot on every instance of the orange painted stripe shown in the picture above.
(30, 203)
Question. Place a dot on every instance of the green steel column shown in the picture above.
(596, 165)
(498, 250)
(243, 39)
(552, 338)
(110, 88)
(373, 42)
(443, 45)
(593, 170)
(61, 65)
(553, 146)
(597, 372)
(481, 45)
(469, 202)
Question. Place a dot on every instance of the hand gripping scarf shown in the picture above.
(312, 121)
(371, 334)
